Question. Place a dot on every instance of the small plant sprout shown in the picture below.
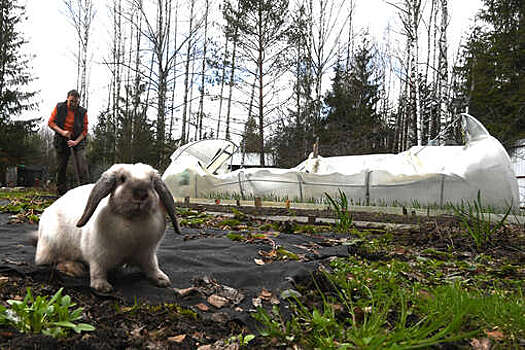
(52, 317)
(477, 223)
(340, 206)
(242, 339)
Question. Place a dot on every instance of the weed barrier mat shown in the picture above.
(221, 279)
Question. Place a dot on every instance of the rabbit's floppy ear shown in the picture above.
(166, 199)
(101, 189)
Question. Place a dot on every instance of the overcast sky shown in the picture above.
(52, 39)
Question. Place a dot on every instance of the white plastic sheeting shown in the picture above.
(423, 175)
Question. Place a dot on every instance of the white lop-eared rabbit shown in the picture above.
(119, 220)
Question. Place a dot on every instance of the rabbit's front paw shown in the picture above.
(161, 280)
(101, 285)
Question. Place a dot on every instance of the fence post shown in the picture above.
(241, 174)
(196, 187)
(441, 194)
(367, 185)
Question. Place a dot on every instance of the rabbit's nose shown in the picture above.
(140, 194)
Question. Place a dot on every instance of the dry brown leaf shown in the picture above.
(14, 262)
(257, 302)
(217, 301)
(480, 344)
(400, 250)
(4, 279)
(158, 333)
(233, 295)
(205, 347)
(86, 337)
(425, 295)
(136, 332)
(185, 291)
(496, 335)
(271, 254)
(220, 317)
(178, 338)
(126, 308)
(202, 307)
(259, 262)
(198, 336)
(337, 307)
(265, 294)
(274, 300)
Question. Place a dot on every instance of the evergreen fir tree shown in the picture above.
(352, 125)
(493, 70)
(14, 65)
(251, 140)
(15, 98)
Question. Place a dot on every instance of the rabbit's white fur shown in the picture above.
(125, 227)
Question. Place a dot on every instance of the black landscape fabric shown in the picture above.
(203, 260)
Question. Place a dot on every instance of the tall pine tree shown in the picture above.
(14, 64)
(352, 124)
(493, 71)
(15, 96)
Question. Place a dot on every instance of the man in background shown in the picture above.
(70, 123)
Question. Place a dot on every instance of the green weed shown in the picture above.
(52, 317)
(26, 206)
(477, 223)
(242, 339)
(340, 206)
(238, 215)
(229, 222)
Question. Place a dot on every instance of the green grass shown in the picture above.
(340, 206)
(475, 219)
(396, 305)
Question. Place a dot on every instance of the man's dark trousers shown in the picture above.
(63, 153)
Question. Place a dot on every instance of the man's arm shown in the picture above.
(51, 123)
(83, 134)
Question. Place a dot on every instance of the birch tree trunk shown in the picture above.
(231, 82)
(191, 115)
(415, 78)
(223, 79)
(203, 70)
(172, 109)
(261, 87)
(433, 124)
(185, 116)
(81, 14)
(443, 90)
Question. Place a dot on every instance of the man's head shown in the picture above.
(72, 99)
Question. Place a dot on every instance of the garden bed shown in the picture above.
(246, 281)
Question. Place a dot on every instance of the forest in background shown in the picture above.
(275, 76)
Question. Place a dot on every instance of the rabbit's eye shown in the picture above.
(122, 178)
